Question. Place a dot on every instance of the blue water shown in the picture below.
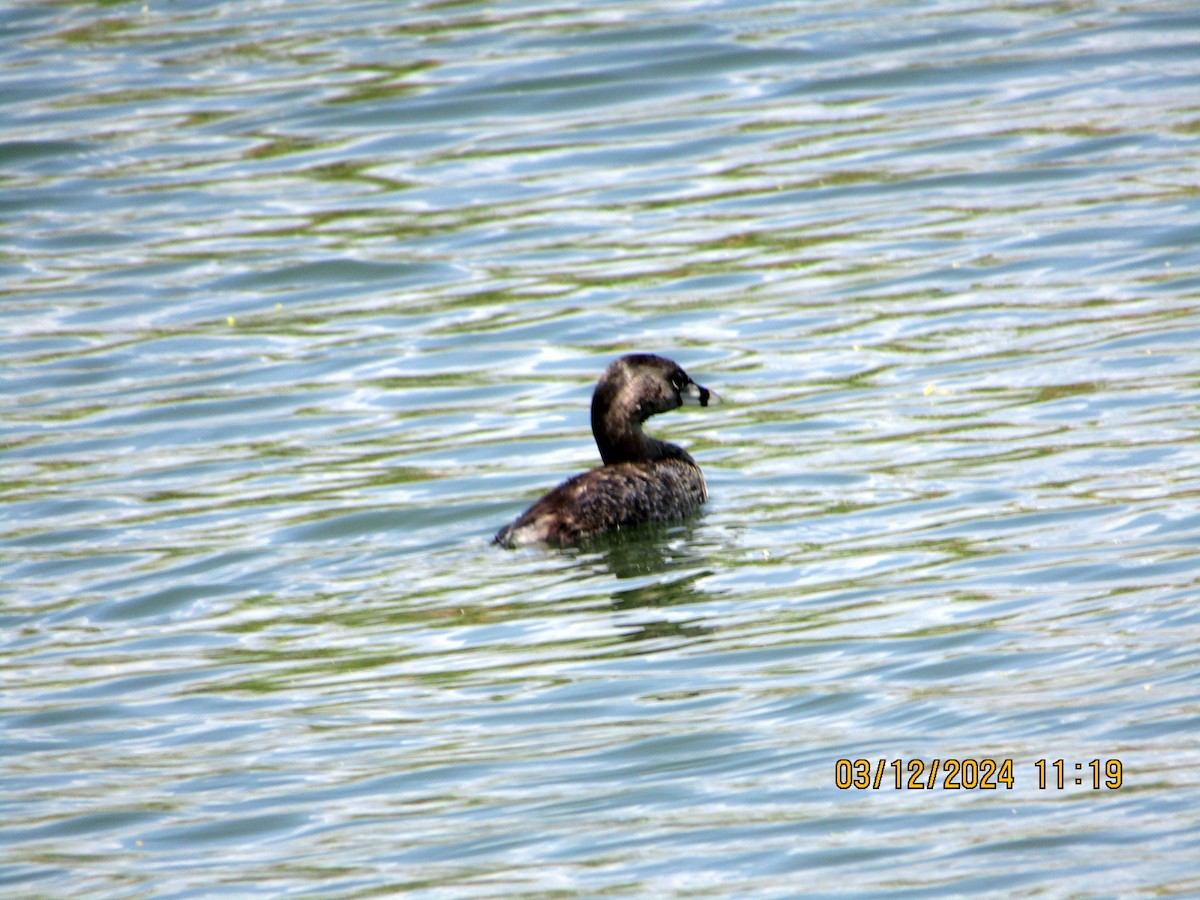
(300, 303)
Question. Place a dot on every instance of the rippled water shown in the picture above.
(302, 302)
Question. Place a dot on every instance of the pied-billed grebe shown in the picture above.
(642, 479)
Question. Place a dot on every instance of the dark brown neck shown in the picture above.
(621, 440)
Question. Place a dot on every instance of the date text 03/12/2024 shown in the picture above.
(983, 773)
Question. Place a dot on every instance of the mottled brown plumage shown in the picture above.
(642, 480)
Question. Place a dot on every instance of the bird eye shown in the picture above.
(679, 381)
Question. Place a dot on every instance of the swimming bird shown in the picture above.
(643, 479)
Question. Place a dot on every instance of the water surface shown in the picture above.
(301, 303)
